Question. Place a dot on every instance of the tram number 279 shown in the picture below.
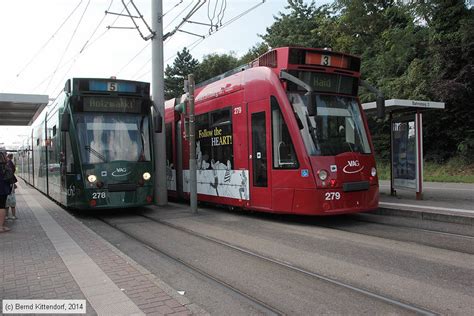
(98, 195)
(329, 196)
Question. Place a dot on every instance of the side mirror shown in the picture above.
(157, 123)
(380, 102)
(65, 121)
(67, 86)
(312, 106)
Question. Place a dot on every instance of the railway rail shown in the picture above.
(283, 265)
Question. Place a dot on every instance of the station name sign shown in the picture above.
(111, 104)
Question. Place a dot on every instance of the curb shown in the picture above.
(427, 215)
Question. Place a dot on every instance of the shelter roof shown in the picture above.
(397, 104)
(21, 109)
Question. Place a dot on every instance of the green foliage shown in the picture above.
(254, 52)
(183, 65)
(454, 170)
(300, 27)
(421, 50)
(214, 64)
(466, 148)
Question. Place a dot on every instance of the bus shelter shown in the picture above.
(406, 142)
(20, 110)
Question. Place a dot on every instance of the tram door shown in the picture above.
(260, 152)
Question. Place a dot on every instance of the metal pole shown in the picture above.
(192, 147)
(157, 92)
(392, 189)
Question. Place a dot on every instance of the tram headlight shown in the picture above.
(373, 172)
(91, 178)
(322, 174)
(146, 176)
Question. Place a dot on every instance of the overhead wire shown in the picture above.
(148, 44)
(222, 11)
(200, 40)
(182, 11)
(49, 40)
(174, 7)
(242, 14)
(211, 20)
(97, 27)
(77, 56)
(134, 57)
(88, 44)
(69, 42)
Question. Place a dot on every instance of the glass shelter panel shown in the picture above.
(404, 162)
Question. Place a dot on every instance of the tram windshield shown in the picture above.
(106, 137)
(336, 128)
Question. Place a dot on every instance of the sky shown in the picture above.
(43, 43)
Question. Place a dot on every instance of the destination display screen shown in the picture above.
(111, 104)
(331, 83)
(324, 58)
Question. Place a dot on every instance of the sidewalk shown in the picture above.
(48, 254)
(443, 202)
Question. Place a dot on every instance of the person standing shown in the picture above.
(5, 189)
(11, 198)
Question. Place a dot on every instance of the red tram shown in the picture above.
(285, 134)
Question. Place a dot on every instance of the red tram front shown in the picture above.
(286, 134)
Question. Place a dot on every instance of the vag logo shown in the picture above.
(120, 172)
(353, 163)
(353, 166)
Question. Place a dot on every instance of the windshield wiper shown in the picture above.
(96, 153)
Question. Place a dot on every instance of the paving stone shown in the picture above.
(41, 263)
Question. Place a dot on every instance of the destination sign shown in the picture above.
(112, 104)
(332, 83)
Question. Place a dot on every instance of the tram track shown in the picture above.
(340, 224)
(282, 264)
(252, 300)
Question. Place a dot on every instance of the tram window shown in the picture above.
(214, 147)
(259, 150)
(284, 155)
(220, 117)
(69, 155)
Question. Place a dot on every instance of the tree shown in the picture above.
(254, 52)
(451, 50)
(183, 65)
(410, 49)
(215, 64)
(299, 27)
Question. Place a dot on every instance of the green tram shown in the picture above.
(92, 147)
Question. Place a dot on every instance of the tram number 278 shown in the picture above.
(329, 196)
(98, 195)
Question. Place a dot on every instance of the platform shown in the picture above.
(49, 254)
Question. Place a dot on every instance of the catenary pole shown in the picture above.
(192, 147)
(157, 92)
